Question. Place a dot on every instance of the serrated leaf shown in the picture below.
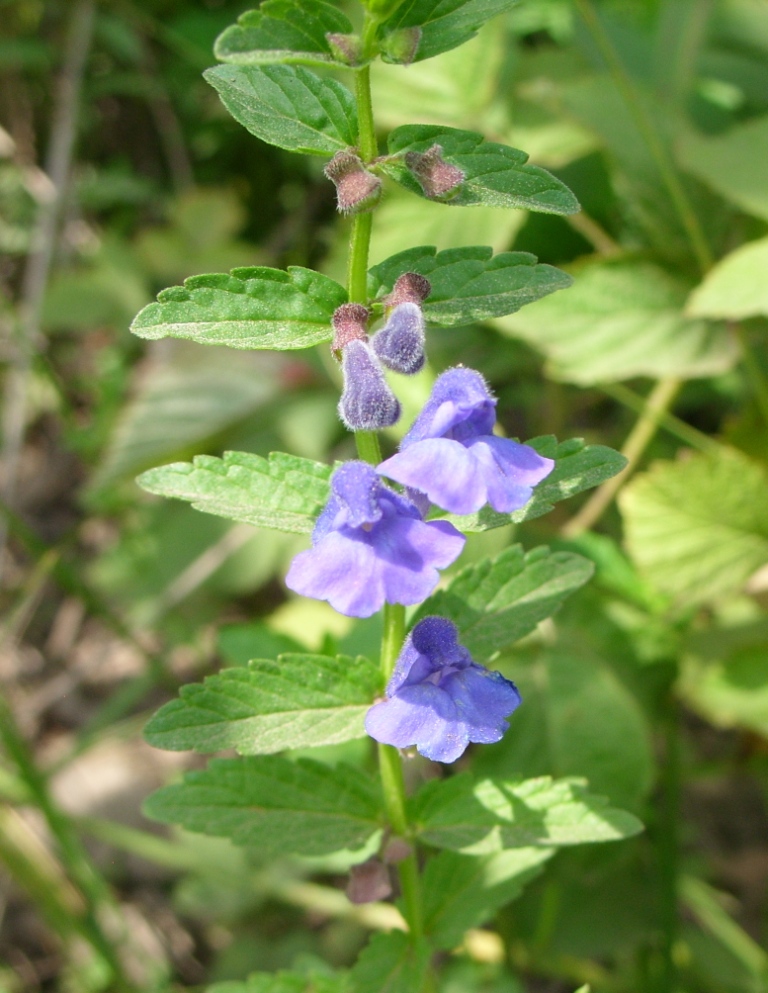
(283, 492)
(495, 175)
(298, 701)
(254, 307)
(500, 600)
(283, 31)
(444, 25)
(732, 163)
(698, 528)
(491, 815)
(464, 891)
(283, 982)
(288, 106)
(275, 805)
(391, 963)
(736, 287)
(621, 319)
(578, 467)
(470, 284)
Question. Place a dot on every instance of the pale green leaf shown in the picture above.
(283, 492)
(288, 106)
(736, 287)
(470, 284)
(391, 963)
(731, 692)
(283, 31)
(253, 307)
(732, 164)
(298, 701)
(275, 805)
(619, 320)
(491, 815)
(495, 175)
(578, 467)
(500, 600)
(183, 396)
(464, 891)
(698, 528)
(443, 25)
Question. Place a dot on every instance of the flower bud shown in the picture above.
(408, 288)
(369, 882)
(367, 403)
(438, 179)
(346, 48)
(400, 46)
(350, 323)
(400, 343)
(396, 850)
(357, 189)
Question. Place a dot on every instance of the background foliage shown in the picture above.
(652, 681)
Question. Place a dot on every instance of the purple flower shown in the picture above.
(452, 455)
(438, 699)
(367, 403)
(371, 546)
(400, 343)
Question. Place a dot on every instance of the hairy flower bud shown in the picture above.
(369, 882)
(438, 179)
(350, 323)
(400, 46)
(357, 189)
(408, 288)
(367, 403)
(400, 343)
(345, 48)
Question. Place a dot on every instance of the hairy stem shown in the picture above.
(657, 404)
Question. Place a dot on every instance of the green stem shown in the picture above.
(93, 888)
(668, 851)
(647, 129)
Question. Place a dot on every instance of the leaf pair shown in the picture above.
(295, 31)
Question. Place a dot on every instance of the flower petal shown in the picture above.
(483, 699)
(443, 469)
(510, 471)
(343, 570)
(423, 716)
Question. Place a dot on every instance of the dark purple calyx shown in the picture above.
(438, 179)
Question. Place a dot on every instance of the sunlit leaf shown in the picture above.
(736, 287)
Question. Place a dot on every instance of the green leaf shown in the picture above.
(299, 701)
(736, 287)
(621, 319)
(283, 982)
(733, 163)
(443, 25)
(283, 492)
(732, 691)
(698, 528)
(288, 106)
(253, 307)
(391, 963)
(579, 467)
(283, 31)
(275, 805)
(488, 816)
(464, 891)
(470, 284)
(500, 600)
(496, 175)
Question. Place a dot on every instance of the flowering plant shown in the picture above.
(375, 547)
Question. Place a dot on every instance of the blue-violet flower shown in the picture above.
(400, 343)
(370, 546)
(439, 699)
(367, 403)
(452, 455)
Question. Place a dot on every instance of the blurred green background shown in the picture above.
(121, 174)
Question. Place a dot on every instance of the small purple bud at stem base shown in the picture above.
(350, 323)
(346, 48)
(357, 189)
(369, 882)
(438, 179)
(408, 288)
